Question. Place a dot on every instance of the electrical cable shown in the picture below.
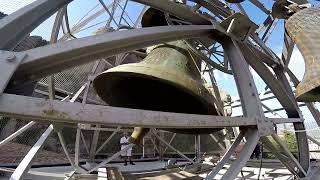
(260, 166)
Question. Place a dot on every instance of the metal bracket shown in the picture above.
(9, 62)
(265, 126)
(239, 26)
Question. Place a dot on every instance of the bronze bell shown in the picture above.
(304, 28)
(166, 80)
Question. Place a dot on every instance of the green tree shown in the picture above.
(290, 139)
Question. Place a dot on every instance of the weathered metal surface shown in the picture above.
(54, 58)
(304, 28)
(9, 62)
(25, 20)
(26, 163)
(38, 109)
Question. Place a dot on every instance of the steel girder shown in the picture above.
(65, 112)
(18, 25)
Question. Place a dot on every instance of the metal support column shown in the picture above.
(172, 138)
(26, 163)
(197, 148)
(288, 153)
(171, 147)
(76, 148)
(64, 147)
(217, 141)
(252, 138)
(103, 163)
(17, 133)
(225, 157)
(143, 148)
(250, 102)
(108, 139)
(25, 20)
(94, 143)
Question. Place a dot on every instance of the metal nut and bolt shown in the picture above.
(11, 58)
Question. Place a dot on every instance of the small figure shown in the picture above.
(256, 152)
(171, 163)
(126, 154)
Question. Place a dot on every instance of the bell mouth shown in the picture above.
(309, 96)
(140, 91)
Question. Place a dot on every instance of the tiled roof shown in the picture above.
(12, 153)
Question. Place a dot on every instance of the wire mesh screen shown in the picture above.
(12, 153)
(71, 80)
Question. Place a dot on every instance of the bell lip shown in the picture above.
(304, 94)
(127, 69)
(192, 131)
(308, 96)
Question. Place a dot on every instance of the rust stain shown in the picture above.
(54, 113)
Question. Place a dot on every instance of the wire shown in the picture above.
(260, 166)
(306, 130)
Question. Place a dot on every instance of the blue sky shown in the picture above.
(79, 7)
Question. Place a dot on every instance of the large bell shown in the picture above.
(166, 80)
(304, 28)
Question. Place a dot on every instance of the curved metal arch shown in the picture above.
(50, 59)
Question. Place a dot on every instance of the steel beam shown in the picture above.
(258, 4)
(299, 127)
(64, 147)
(171, 147)
(242, 10)
(38, 109)
(267, 143)
(77, 149)
(289, 154)
(53, 39)
(17, 133)
(313, 140)
(9, 62)
(70, 175)
(15, 27)
(265, 24)
(269, 30)
(248, 93)
(276, 87)
(110, 13)
(94, 143)
(217, 141)
(314, 111)
(226, 157)
(252, 138)
(105, 129)
(123, 11)
(170, 141)
(249, 96)
(178, 10)
(26, 163)
(84, 142)
(197, 147)
(76, 28)
(215, 7)
(107, 140)
(251, 105)
(46, 60)
(103, 163)
(287, 50)
(153, 140)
